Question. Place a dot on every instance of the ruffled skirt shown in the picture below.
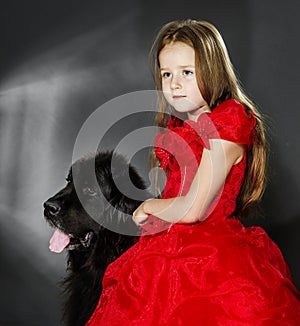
(210, 273)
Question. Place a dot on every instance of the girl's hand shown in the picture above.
(139, 216)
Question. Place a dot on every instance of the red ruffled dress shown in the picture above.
(215, 272)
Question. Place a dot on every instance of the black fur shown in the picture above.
(92, 246)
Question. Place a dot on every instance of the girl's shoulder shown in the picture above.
(232, 122)
(231, 112)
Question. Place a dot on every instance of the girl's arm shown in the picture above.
(207, 185)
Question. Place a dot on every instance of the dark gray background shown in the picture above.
(60, 60)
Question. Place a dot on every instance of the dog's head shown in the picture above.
(87, 204)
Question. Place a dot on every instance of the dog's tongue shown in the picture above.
(59, 241)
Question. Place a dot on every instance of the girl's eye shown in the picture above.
(187, 72)
(166, 75)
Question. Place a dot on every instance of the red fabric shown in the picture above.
(215, 272)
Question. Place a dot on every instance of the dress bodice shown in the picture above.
(180, 148)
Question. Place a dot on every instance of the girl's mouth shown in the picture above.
(178, 96)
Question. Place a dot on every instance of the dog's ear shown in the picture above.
(125, 176)
(120, 215)
(119, 167)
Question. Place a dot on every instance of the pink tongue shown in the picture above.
(59, 241)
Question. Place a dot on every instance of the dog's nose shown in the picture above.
(52, 207)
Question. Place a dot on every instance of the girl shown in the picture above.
(196, 263)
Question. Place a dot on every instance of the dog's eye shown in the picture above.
(89, 191)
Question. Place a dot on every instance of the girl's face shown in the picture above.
(179, 83)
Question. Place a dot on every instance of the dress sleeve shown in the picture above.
(232, 123)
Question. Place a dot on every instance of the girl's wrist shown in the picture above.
(147, 205)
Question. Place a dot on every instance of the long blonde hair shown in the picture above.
(217, 82)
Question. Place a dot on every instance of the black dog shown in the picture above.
(92, 243)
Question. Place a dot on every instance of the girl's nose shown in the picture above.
(175, 82)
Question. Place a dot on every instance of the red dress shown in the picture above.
(215, 272)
